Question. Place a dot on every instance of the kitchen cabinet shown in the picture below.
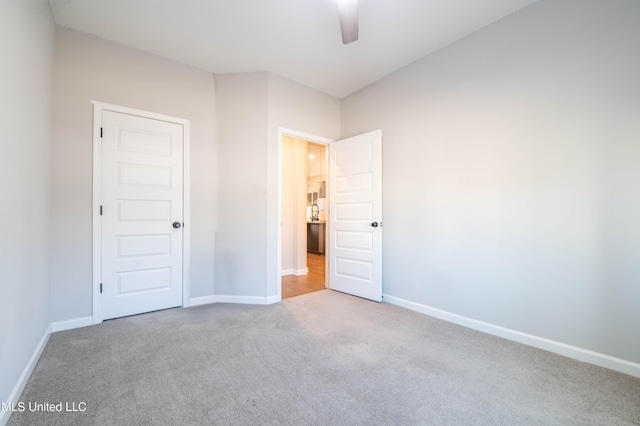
(316, 237)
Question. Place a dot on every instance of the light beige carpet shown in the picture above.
(324, 358)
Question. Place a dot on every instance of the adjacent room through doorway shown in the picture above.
(314, 280)
(304, 226)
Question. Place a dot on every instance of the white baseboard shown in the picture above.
(220, 298)
(248, 300)
(296, 272)
(204, 300)
(560, 348)
(24, 377)
(71, 324)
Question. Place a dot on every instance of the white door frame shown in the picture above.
(308, 138)
(98, 108)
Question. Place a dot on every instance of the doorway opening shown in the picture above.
(353, 213)
(303, 213)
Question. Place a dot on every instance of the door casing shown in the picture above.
(98, 108)
(308, 138)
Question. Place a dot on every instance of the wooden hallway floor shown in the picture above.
(293, 285)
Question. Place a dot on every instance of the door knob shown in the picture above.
(374, 224)
(177, 225)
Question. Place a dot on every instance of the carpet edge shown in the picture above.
(574, 352)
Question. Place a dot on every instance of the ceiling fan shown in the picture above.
(348, 15)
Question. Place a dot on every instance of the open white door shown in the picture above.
(355, 215)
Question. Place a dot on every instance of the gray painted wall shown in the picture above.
(241, 102)
(296, 107)
(251, 107)
(511, 173)
(26, 49)
(88, 68)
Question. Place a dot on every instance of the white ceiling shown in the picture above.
(298, 39)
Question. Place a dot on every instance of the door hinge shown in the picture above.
(100, 131)
(100, 288)
(100, 210)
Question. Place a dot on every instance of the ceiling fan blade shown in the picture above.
(348, 15)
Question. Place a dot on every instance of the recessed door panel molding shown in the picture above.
(357, 269)
(355, 184)
(355, 154)
(147, 142)
(144, 210)
(137, 174)
(353, 212)
(144, 245)
(361, 182)
(350, 240)
(141, 194)
(143, 281)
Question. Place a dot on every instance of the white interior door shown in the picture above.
(355, 215)
(142, 206)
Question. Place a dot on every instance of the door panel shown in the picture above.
(355, 257)
(142, 183)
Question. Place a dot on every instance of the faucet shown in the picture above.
(314, 216)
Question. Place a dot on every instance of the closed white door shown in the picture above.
(355, 215)
(142, 205)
